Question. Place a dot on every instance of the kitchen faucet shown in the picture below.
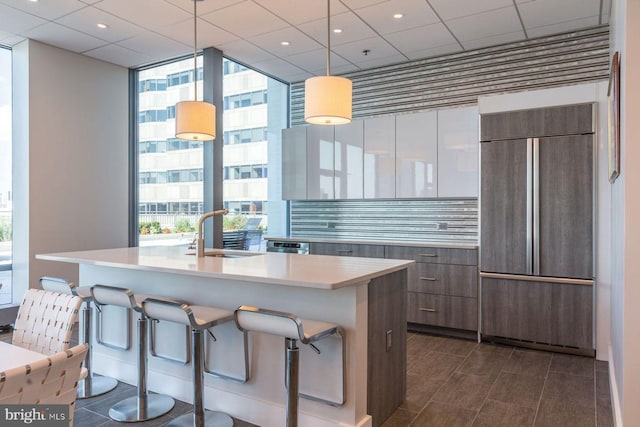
(200, 240)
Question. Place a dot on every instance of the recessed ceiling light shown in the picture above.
(337, 30)
(398, 15)
(102, 26)
(285, 43)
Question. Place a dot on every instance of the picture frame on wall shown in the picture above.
(613, 123)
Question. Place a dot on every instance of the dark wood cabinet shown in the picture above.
(347, 249)
(443, 310)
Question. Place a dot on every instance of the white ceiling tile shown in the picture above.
(87, 19)
(153, 44)
(119, 55)
(537, 13)
(90, 1)
(245, 19)
(243, 51)
(297, 77)
(486, 24)
(316, 60)
(376, 47)
(16, 21)
(380, 16)
(379, 62)
(450, 9)
(11, 40)
(66, 38)
(562, 27)
(203, 7)
(357, 4)
(48, 10)
(337, 70)
(298, 42)
(351, 25)
(493, 40)
(435, 51)
(145, 13)
(430, 36)
(277, 67)
(299, 11)
(209, 35)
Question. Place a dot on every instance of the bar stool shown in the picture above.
(200, 319)
(143, 406)
(290, 327)
(92, 385)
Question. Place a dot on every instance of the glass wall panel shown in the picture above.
(6, 194)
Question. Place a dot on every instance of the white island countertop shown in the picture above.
(309, 271)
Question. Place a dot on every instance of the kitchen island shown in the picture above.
(367, 297)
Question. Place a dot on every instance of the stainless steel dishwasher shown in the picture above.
(288, 247)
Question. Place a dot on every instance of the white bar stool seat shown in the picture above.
(291, 328)
(91, 385)
(143, 406)
(200, 319)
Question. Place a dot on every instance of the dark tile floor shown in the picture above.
(453, 382)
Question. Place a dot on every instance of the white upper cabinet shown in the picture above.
(458, 147)
(319, 162)
(417, 155)
(379, 158)
(294, 163)
(348, 159)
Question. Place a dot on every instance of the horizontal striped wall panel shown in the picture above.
(458, 79)
(450, 220)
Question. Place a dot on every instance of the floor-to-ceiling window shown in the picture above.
(6, 196)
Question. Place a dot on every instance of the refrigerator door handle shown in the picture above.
(529, 208)
(536, 206)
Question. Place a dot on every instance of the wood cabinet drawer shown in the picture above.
(433, 255)
(345, 249)
(443, 310)
(444, 279)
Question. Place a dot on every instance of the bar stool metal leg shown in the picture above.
(91, 386)
(143, 406)
(291, 379)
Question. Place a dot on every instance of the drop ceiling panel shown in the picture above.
(119, 55)
(377, 48)
(316, 61)
(493, 40)
(209, 35)
(246, 52)
(537, 13)
(353, 28)
(153, 45)
(486, 24)
(48, 10)
(451, 9)
(436, 51)
(66, 38)
(246, 19)
(299, 11)
(16, 21)
(378, 62)
(204, 6)
(421, 38)
(357, 4)
(298, 42)
(380, 16)
(86, 20)
(563, 27)
(335, 70)
(278, 67)
(150, 15)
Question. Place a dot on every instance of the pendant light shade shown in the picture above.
(327, 99)
(195, 120)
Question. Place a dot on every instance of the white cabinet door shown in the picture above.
(417, 155)
(349, 141)
(319, 162)
(379, 158)
(294, 163)
(458, 146)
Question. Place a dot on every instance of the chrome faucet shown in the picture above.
(200, 240)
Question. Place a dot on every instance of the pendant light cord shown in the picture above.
(328, 37)
(195, 51)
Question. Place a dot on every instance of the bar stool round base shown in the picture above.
(95, 386)
(129, 411)
(211, 419)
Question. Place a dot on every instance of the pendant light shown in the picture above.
(195, 120)
(327, 99)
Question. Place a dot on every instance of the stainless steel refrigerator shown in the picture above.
(537, 227)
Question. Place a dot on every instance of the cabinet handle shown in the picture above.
(431, 310)
(429, 255)
(431, 279)
(344, 251)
